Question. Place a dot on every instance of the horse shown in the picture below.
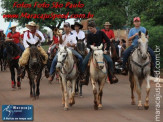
(82, 50)
(98, 74)
(67, 69)
(139, 70)
(51, 54)
(34, 70)
(3, 62)
(13, 55)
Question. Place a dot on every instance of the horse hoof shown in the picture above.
(66, 109)
(140, 108)
(81, 96)
(37, 97)
(146, 107)
(95, 107)
(132, 103)
(100, 107)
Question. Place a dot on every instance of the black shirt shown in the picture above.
(97, 39)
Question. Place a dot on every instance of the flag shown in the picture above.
(8, 30)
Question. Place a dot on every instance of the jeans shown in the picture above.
(21, 47)
(54, 62)
(106, 57)
(128, 51)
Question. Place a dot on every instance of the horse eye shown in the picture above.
(63, 55)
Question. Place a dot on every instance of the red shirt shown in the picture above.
(14, 36)
(55, 39)
(22, 36)
(109, 33)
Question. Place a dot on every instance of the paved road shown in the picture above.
(116, 102)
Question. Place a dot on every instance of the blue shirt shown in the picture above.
(133, 31)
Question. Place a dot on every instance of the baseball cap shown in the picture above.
(66, 24)
(136, 19)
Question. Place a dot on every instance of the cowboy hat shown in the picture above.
(14, 26)
(107, 23)
(78, 24)
(31, 24)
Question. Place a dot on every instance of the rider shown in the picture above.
(33, 35)
(77, 32)
(108, 31)
(15, 37)
(133, 35)
(2, 35)
(69, 40)
(96, 37)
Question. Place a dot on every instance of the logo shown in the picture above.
(17, 112)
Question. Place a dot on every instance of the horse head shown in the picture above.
(12, 50)
(143, 45)
(62, 55)
(35, 58)
(81, 46)
(98, 55)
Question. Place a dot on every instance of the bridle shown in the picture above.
(62, 62)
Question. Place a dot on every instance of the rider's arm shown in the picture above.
(107, 40)
(8, 37)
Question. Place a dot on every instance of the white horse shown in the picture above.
(66, 66)
(98, 74)
(139, 70)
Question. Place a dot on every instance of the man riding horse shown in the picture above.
(32, 36)
(68, 40)
(95, 38)
(133, 36)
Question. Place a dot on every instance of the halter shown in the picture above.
(64, 57)
(97, 63)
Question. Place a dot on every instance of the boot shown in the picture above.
(113, 79)
(124, 71)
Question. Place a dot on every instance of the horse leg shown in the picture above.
(95, 94)
(65, 93)
(33, 86)
(138, 90)
(18, 77)
(38, 84)
(63, 98)
(77, 87)
(13, 83)
(132, 88)
(72, 100)
(101, 86)
(146, 105)
(81, 94)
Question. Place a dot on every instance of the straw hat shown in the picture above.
(14, 26)
(31, 24)
(107, 23)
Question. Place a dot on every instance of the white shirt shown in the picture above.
(70, 38)
(80, 35)
(32, 40)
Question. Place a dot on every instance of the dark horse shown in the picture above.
(34, 69)
(13, 55)
(82, 50)
(3, 62)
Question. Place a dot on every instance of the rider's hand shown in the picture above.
(136, 34)
(105, 51)
(68, 45)
(37, 35)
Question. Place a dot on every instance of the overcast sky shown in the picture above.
(4, 25)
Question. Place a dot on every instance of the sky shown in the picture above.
(4, 25)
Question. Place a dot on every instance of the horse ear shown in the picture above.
(77, 39)
(146, 33)
(65, 48)
(29, 44)
(37, 43)
(92, 47)
(139, 33)
(100, 47)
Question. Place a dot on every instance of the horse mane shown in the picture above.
(16, 49)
